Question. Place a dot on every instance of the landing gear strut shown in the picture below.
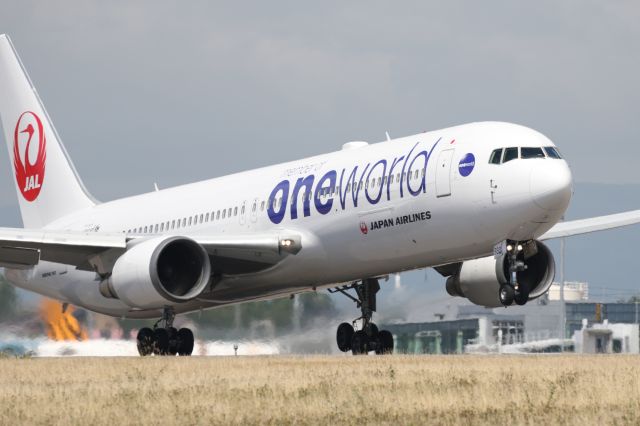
(164, 338)
(512, 290)
(368, 337)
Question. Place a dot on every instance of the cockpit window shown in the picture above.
(510, 154)
(552, 152)
(531, 152)
(495, 156)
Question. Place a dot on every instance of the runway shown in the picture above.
(477, 390)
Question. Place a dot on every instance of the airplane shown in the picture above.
(475, 202)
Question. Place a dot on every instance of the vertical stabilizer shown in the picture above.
(47, 184)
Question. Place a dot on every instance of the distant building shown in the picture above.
(534, 327)
(573, 291)
(607, 338)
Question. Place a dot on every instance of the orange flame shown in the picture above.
(61, 325)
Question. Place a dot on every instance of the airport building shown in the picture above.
(589, 327)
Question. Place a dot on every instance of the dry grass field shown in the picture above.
(444, 390)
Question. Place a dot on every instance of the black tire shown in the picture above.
(344, 335)
(385, 343)
(161, 341)
(521, 298)
(360, 343)
(373, 331)
(185, 342)
(506, 294)
(173, 340)
(145, 340)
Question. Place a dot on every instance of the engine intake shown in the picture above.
(159, 271)
(479, 279)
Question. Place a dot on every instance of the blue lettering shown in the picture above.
(324, 208)
(325, 188)
(404, 166)
(423, 181)
(277, 216)
(375, 200)
(307, 183)
(393, 164)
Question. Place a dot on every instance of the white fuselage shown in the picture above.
(454, 206)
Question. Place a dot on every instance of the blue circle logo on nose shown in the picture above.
(466, 165)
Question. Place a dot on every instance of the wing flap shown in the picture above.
(26, 247)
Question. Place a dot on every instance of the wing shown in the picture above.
(232, 254)
(593, 224)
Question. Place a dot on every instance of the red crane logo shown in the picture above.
(29, 174)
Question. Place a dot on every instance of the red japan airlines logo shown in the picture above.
(29, 154)
(363, 228)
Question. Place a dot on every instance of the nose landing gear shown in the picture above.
(512, 291)
(164, 339)
(368, 337)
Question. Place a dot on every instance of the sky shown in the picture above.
(173, 92)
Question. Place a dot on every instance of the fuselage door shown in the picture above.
(443, 173)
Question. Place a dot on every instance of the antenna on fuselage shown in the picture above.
(388, 137)
(155, 185)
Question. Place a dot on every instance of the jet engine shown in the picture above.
(159, 271)
(479, 280)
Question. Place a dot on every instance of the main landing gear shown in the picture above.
(164, 339)
(512, 291)
(368, 337)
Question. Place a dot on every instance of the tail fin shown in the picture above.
(47, 184)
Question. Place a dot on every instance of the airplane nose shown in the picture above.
(551, 184)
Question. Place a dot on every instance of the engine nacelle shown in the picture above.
(479, 280)
(158, 272)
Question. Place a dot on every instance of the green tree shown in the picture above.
(8, 298)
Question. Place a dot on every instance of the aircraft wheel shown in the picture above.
(173, 340)
(185, 342)
(161, 340)
(144, 340)
(385, 343)
(521, 298)
(359, 343)
(372, 332)
(506, 294)
(344, 335)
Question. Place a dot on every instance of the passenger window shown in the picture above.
(253, 209)
(190, 220)
(262, 206)
(535, 152)
(235, 211)
(184, 222)
(206, 218)
(201, 217)
(390, 179)
(224, 213)
(173, 224)
(348, 187)
(510, 154)
(495, 156)
(416, 174)
(552, 152)
(145, 229)
(161, 227)
(242, 210)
